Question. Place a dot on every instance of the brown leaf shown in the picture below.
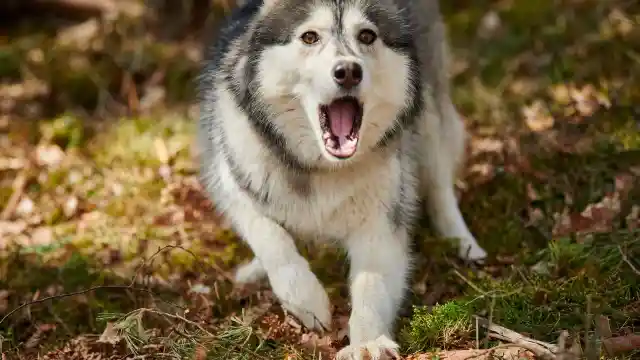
(622, 344)
(537, 117)
(314, 342)
(25, 207)
(486, 145)
(70, 206)
(79, 36)
(12, 227)
(200, 353)
(110, 335)
(49, 155)
(41, 236)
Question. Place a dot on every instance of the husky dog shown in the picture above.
(330, 120)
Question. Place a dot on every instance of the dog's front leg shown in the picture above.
(289, 274)
(379, 259)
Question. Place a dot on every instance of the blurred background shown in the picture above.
(99, 195)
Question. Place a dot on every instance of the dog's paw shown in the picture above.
(382, 348)
(301, 294)
(250, 273)
(471, 251)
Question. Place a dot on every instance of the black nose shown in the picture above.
(347, 74)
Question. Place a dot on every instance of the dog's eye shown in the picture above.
(310, 37)
(367, 37)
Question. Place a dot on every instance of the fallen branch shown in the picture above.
(541, 349)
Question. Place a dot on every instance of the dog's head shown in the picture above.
(337, 76)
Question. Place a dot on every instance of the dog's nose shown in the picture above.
(347, 74)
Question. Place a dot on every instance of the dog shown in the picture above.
(330, 120)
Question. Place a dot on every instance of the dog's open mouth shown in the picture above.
(340, 122)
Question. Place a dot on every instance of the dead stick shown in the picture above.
(625, 258)
(541, 349)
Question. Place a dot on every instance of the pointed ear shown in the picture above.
(267, 3)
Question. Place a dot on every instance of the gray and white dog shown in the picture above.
(329, 120)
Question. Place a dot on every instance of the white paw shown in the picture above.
(470, 250)
(301, 294)
(382, 348)
(250, 273)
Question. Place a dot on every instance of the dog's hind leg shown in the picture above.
(441, 156)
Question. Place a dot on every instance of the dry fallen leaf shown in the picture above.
(70, 206)
(200, 353)
(537, 117)
(314, 342)
(12, 227)
(486, 145)
(25, 207)
(110, 335)
(49, 155)
(41, 236)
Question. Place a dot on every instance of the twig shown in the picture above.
(149, 261)
(177, 317)
(626, 259)
(540, 348)
(80, 292)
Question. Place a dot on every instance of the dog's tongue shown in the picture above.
(342, 115)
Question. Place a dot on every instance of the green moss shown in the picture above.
(570, 284)
(444, 327)
(134, 142)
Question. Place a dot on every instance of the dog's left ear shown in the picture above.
(267, 4)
